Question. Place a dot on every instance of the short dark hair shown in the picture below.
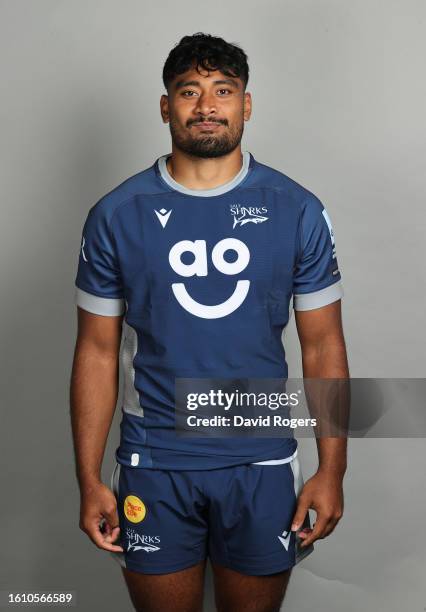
(208, 52)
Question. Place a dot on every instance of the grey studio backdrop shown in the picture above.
(339, 99)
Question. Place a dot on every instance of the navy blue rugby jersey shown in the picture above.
(206, 280)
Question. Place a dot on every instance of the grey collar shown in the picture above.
(165, 175)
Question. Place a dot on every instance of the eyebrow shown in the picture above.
(232, 82)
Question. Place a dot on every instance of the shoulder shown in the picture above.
(143, 182)
(292, 191)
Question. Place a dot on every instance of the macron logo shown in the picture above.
(163, 215)
(284, 538)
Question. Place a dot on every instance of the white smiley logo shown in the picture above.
(199, 267)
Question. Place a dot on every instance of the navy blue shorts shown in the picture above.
(237, 516)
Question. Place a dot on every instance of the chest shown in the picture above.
(207, 255)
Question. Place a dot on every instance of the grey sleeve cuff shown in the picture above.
(316, 299)
(109, 307)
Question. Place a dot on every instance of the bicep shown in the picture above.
(99, 332)
(320, 325)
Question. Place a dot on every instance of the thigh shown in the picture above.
(180, 591)
(237, 592)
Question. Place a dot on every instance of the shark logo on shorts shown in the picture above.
(136, 541)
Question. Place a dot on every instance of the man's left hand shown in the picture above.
(324, 493)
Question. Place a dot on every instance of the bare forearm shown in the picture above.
(325, 360)
(328, 360)
(93, 397)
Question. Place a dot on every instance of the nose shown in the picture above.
(206, 104)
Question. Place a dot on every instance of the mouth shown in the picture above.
(207, 125)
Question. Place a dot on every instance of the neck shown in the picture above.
(204, 173)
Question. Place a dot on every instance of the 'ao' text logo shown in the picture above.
(199, 268)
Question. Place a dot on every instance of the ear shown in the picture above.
(247, 106)
(164, 108)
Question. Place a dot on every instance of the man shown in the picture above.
(196, 258)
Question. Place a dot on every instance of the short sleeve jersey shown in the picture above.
(206, 281)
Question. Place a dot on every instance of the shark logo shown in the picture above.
(146, 547)
(248, 214)
(137, 542)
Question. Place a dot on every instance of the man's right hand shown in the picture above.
(98, 503)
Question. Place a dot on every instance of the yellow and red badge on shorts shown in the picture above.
(134, 509)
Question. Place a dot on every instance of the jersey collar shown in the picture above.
(161, 169)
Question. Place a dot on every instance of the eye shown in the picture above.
(228, 90)
(188, 91)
